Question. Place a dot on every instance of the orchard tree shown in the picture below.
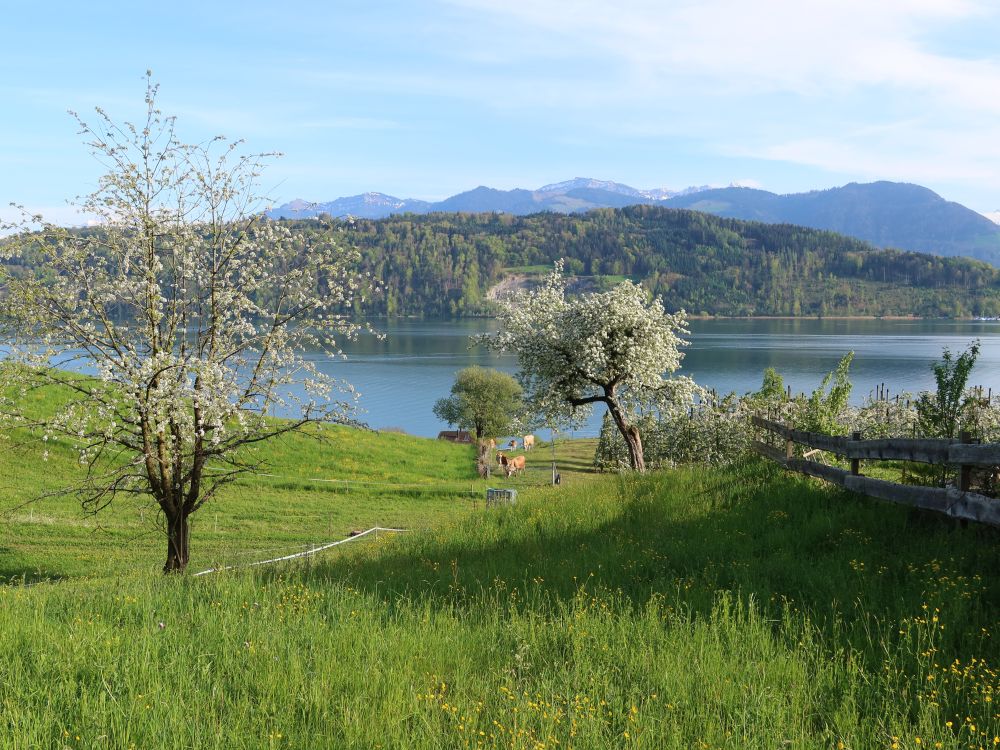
(484, 400)
(614, 347)
(190, 309)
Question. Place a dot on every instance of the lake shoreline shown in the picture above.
(824, 317)
(708, 317)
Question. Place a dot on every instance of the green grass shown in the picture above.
(314, 488)
(702, 608)
(377, 479)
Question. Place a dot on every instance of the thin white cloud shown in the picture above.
(806, 48)
(784, 80)
(937, 157)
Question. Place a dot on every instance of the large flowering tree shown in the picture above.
(616, 348)
(191, 311)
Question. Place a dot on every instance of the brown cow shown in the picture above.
(512, 465)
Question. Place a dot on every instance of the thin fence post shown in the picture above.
(856, 462)
(965, 470)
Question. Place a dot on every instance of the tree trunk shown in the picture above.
(631, 434)
(178, 536)
(634, 444)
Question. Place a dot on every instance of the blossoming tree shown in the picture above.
(190, 310)
(615, 347)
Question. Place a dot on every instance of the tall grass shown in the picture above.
(314, 488)
(735, 608)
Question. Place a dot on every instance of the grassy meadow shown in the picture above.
(314, 487)
(699, 608)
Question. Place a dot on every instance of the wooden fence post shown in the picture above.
(856, 462)
(965, 470)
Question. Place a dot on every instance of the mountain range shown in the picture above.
(885, 214)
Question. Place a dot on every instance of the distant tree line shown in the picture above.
(443, 265)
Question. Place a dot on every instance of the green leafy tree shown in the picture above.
(483, 400)
(939, 414)
(823, 409)
(770, 398)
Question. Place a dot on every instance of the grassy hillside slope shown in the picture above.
(315, 487)
(318, 490)
(733, 608)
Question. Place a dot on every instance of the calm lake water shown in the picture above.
(401, 377)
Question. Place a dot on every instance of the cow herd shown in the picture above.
(513, 465)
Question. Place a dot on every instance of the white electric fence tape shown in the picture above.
(308, 552)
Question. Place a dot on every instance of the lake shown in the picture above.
(401, 377)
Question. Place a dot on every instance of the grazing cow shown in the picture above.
(529, 442)
(512, 465)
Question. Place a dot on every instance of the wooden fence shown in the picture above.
(958, 502)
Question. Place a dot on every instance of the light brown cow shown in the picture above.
(512, 465)
(529, 442)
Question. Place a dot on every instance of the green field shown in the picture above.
(314, 488)
(700, 608)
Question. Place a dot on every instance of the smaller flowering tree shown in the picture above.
(615, 348)
(192, 311)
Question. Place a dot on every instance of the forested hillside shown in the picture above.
(445, 264)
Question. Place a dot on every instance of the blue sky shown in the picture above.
(428, 99)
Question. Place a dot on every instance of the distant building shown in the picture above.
(455, 436)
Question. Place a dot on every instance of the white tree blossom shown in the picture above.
(614, 347)
(192, 308)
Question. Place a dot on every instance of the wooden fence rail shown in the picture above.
(958, 502)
